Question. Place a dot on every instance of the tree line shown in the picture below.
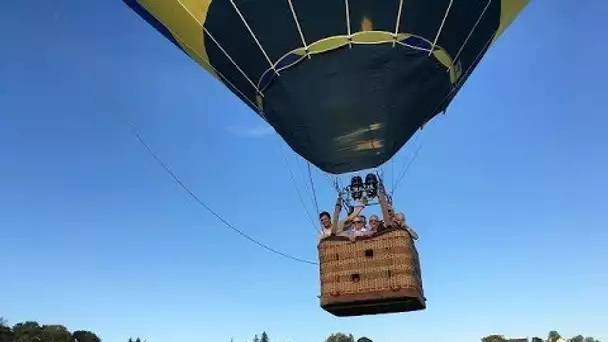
(552, 336)
(336, 337)
(32, 331)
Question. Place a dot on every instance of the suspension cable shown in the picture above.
(407, 168)
(392, 173)
(293, 180)
(139, 138)
(312, 186)
(460, 81)
(303, 177)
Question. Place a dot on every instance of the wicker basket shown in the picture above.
(377, 274)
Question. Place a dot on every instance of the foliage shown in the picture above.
(55, 333)
(552, 336)
(85, 336)
(264, 337)
(340, 337)
(32, 331)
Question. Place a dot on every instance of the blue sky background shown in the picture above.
(508, 192)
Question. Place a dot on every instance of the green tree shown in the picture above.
(340, 337)
(537, 339)
(264, 337)
(494, 338)
(84, 336)
(6, 333)
(590, 339)
(55, 333)
(577, 338)
(364, 339)
(28, 331)
(553, 336)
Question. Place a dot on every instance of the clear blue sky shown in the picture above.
(508, 193)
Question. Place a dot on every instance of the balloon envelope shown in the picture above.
(346, 83)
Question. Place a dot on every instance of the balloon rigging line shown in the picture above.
(312, 186)
(454, 88)
(398, 21)
(219, 217)
(402, 171)
(299, 162)
(295, 19)
(184, 187)
(255, 38)
(470, 33)
(445, 17)
(347, 22)
(185, 8)
(293, 180)
(406, 169)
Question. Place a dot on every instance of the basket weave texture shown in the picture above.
(384, 263)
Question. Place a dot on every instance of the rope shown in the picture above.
(392, 173)
(253, 36)
(406, 169)
(227, 56)
(295, 19)
(299, 161)
(398, 21)
(205, 206)
(460, 81)
(293, 180)
(233, 62)
(445, 16)
(470, 34)
(348, 23)
(312, 186)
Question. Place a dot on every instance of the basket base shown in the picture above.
(349, 306)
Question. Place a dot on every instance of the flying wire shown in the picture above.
(312, 186)
(407, 168)
(299, 162)
(312, 222)
(139, 138)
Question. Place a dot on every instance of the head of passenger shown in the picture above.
(391, 213)
(325, 219)
(358, 223)
(399, 220)
(364, 220)
(374, 222)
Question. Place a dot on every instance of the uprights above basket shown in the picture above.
(360, 190)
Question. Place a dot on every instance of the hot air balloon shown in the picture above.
(345, 83)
